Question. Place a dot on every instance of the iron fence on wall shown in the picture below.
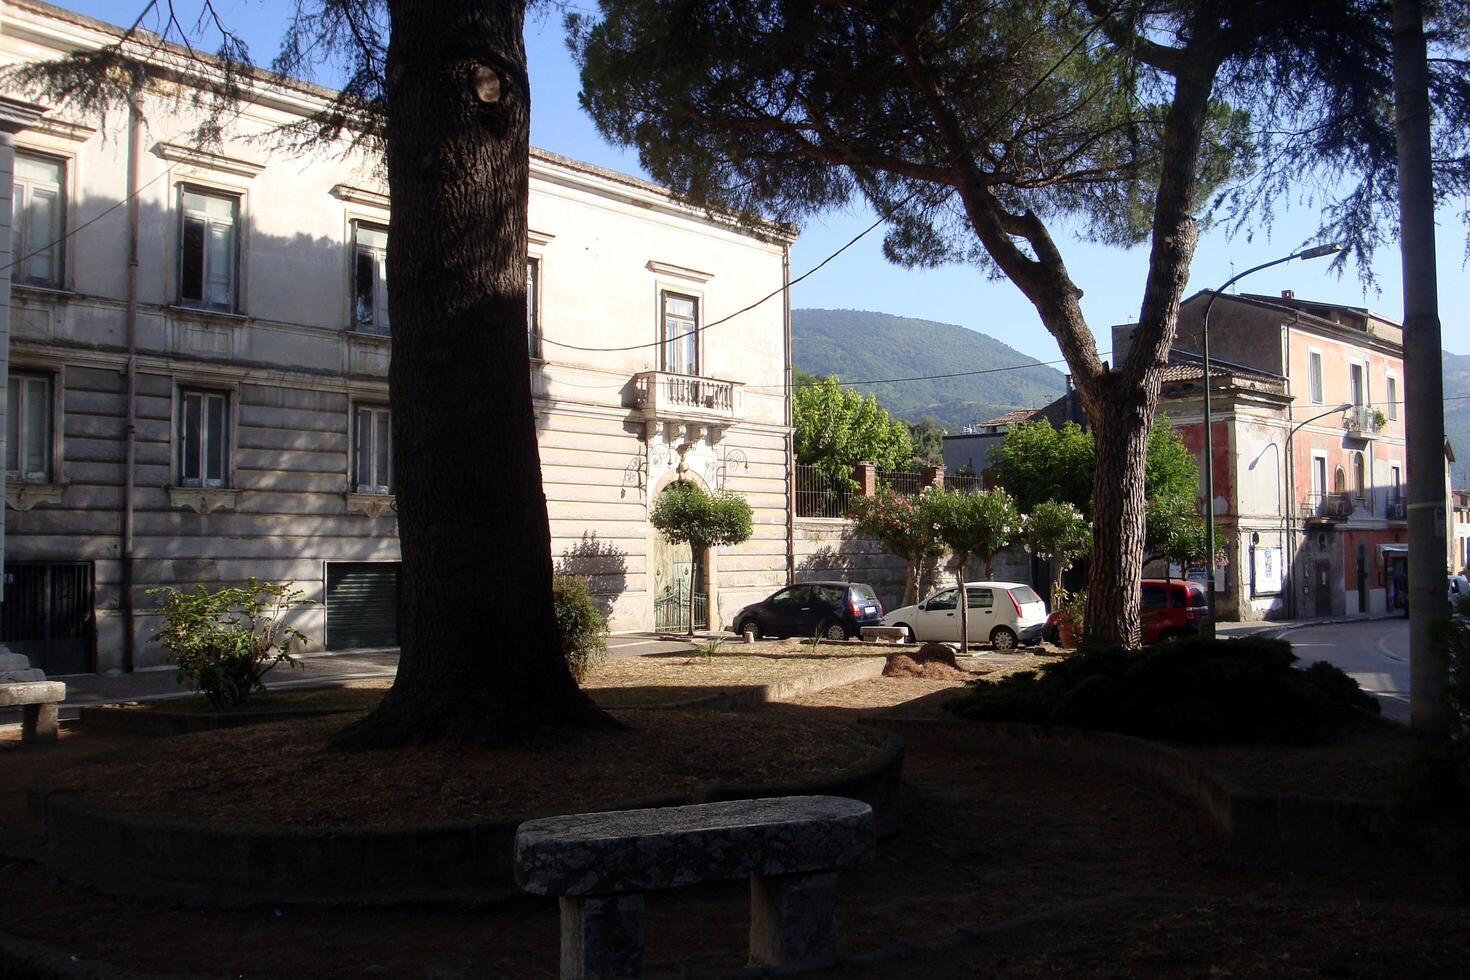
(964, 483)
(902, 482)
(817, 495)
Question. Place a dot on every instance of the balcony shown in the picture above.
(663, 399)
(1364, 422)
(1327, 507)
(1396, 509)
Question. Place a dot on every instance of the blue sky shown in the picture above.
(1112, 279)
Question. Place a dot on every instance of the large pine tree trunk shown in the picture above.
(480, 652)
(1121, 439)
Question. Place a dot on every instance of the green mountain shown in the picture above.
(1457, 414)
(857, 345)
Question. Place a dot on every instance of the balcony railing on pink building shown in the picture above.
(1328, 506)
(1364, 422)
(664, 397)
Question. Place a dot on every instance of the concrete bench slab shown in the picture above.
(601, 864)
(885, 634)
(37, 701)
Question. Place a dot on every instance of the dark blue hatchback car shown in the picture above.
(832, 610)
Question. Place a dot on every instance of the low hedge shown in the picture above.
(1190, 690)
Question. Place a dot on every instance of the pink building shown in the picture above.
(1310, 469)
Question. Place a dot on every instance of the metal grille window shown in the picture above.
(39, 220)
(28, 429)
(680, 318)
(370, 278)
(204, 438)
(533, 307)
(208, 251)
(373, 449)
(1314, 376)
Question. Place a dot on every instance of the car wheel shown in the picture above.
(834, 631)
(1002, 638)
(909, 636)
(1169, 636)
(750, 626)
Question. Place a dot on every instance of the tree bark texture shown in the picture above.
(1118, 525)
(480, 650)
(962, 601)
(1424, 411)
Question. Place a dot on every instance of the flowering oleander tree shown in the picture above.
(903, 525)
(1057, 531)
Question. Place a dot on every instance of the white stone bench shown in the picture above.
(601, 864)
(885, 634)
(37, 701)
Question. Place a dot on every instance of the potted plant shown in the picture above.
(1071, 607)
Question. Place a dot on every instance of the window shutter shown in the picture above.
(221, 266)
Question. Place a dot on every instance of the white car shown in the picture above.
(1001, 613)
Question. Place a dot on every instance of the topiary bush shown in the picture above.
(224, 642)
(580, 622)
(1191, 690)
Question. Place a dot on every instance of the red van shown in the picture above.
(1171, 608)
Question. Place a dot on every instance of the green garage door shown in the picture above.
(362, 604)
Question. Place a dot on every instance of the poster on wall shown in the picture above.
(1265, 571)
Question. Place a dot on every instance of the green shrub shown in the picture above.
(581, 624)
(225, 641)
(1192, 690)
(1430, 808)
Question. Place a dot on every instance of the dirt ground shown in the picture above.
(1003, 869)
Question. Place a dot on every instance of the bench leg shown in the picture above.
(38, 723)
(793, 920)
(601, 936)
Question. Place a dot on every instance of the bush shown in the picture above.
(580, 622)
(1430, 808)
(1192, 690)
(225, 641)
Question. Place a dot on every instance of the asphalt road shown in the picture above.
(1374, 653)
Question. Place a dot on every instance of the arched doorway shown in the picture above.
(677, 572)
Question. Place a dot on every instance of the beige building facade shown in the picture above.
(229, 417)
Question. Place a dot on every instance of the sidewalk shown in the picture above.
(1274, 628)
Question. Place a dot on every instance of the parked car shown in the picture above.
(1459, 587)
(833, 610)
(1170, 608)
(1002, 613)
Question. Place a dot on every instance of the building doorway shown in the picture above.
(1362, 577)
(49, 615)
(678, 574)
(362, 605)
(1322, 586)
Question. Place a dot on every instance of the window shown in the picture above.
(1314, 376)
(792, 598)
(372, 447)
(942, 600)
(1393, 397)
(1319, 475)
(207, 251)
(1153, 596)
(370, 278)
(1356, 393)
(204, 438)
(680, 351)
(39, 220)
(1360, 483)
(830, 595)
(979, 598)
(533, 307)
(28, 428)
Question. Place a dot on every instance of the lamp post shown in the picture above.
(1315, 252)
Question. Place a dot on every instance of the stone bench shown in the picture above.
(885, 634)
(37, 701)
(601, 864)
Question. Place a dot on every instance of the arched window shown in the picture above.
(1339, 481)
(1360, 484)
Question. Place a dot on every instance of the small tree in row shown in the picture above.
(1058, 532)
(973, 525)
(686, 514)
(903, 526)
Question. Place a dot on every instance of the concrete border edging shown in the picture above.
(454, 862)
(158, 722)
(1257, 825)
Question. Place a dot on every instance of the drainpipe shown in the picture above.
(790, 439)
(1288, 505)
(135, 142)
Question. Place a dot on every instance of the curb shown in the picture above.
(159, 723)
(1257, 826)
(860, 669)
(467, 862)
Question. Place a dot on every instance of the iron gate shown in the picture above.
(671, 610)
(49, 615)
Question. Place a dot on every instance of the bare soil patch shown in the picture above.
(672, 679)
(281, 775)
(903, 665)
(358, 696)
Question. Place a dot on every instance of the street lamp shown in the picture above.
(1288, 510)
(1315, 252)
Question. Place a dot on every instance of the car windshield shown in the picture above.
(1025, 594)
(863, 593)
